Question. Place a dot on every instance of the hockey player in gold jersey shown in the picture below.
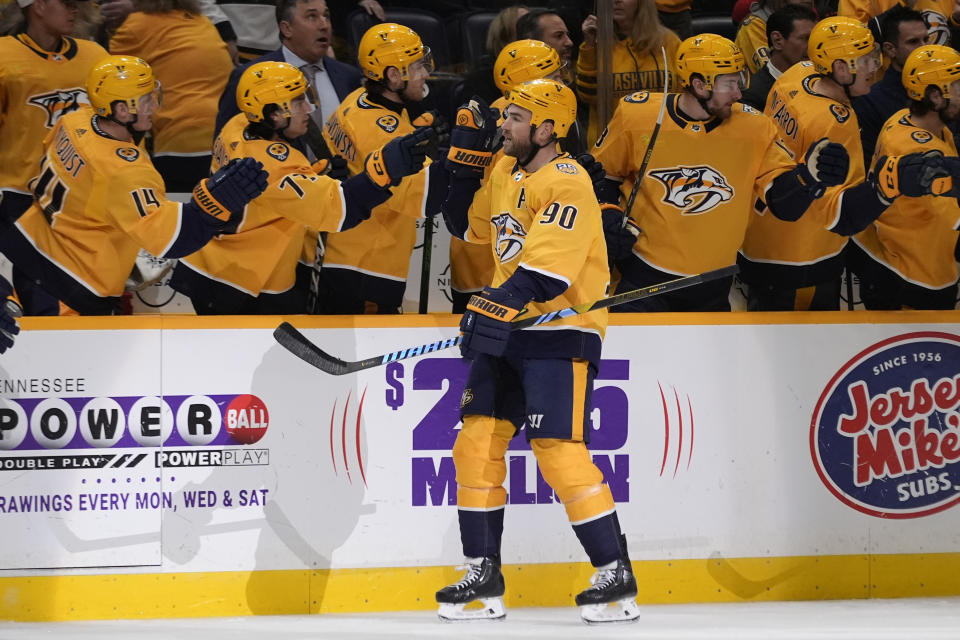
(42, 76)
(798, 265)
(905, 259)
(471, 264)
(97, 199)
(43, 71)
(365, 269)
(254, 269)
(538, 214)
(714, 158)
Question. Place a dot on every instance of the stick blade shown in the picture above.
(298, 344)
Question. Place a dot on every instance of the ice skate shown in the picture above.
(483, 582)
(611, 596)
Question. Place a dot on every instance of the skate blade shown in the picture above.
(493, 609)
(625, 610)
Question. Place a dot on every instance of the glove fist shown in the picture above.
(227, 192)
(471, 140)
(912, 175)
(486, 323)
(399, 158)
(825, 165)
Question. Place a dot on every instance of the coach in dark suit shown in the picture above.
(305, 36)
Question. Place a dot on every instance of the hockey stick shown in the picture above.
(425, 264)
(653, 141)
(297, 344)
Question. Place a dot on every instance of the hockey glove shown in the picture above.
(486, 322)
(825, 165)
(471, 141)
(620, 239)
(912, 175)
(227, 192)
(9, 312)
(399, 158)
(335, 167)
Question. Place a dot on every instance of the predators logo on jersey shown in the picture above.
(638, 98)
(388, 123)
(279, 151)
(921, 136)
(130, 154)
(840, 112)
(694, 190)
(510, 237)
(58, 103)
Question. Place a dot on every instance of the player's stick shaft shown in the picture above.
(637, 183)
(298, 344)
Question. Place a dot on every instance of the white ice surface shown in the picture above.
(909, 619)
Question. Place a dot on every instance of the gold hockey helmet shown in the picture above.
(392, 45)
(120, 78)
(930, 65)
(266, 83)
(841, 38)
(709, 55)
(546, 100)
(524, 60)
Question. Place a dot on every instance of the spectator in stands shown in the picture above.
(547, 26)
(788, 31)
(43, 72)
(171, 35)
(752, 35)
(114, 12)
(902, 30)
(676, 16)
(502, 31)
(637, 60)
(305, 33)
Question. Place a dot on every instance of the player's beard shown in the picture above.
(518, 148)
(719, 111)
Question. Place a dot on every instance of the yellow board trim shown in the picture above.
(178, 595)
(449, 320)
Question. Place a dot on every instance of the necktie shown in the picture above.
(311, 71)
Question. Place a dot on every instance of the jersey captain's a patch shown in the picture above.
(388, 123)
(693, 190)
(510, 236)
(921, 136)
(130, 154)
(279, 151)
(58, 103)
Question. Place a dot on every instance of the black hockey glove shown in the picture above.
(335, 167)
(620, 239)
(399, 158)
(227, 192)
(825, 165)
(912, 175)
(471, 141)
(9, 312)
(486, 322)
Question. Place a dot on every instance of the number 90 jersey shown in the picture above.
(548, 222)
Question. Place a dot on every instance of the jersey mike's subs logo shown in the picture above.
(510, 237)
(693, 190)
(59, 103)
(885, 435)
